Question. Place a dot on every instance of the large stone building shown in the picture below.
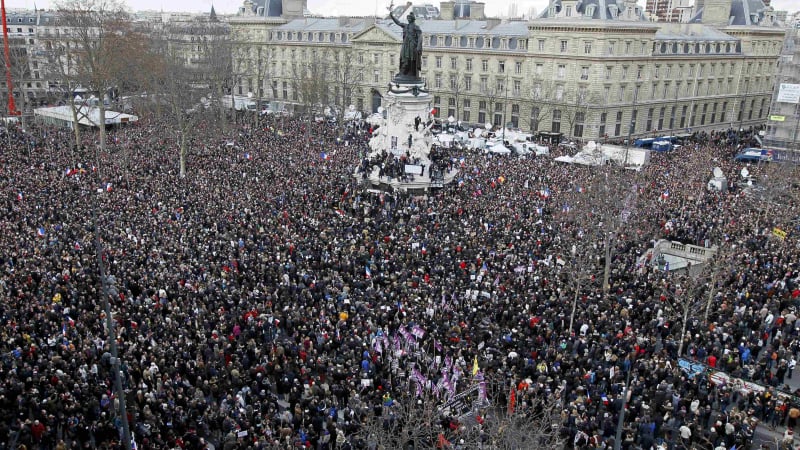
(37, 38)
(783, 127)
(590, 69)
(200, 42)
(27, 76)
(595, 70)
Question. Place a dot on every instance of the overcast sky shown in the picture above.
(326, 7)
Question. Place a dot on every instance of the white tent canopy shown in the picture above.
(88, 116)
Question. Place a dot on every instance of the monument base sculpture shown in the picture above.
(400, 156)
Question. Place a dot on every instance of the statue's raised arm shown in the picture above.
(399, 24)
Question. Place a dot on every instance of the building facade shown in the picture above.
(592, 74)
(595, 69)
(27, 76)
(200, 43)
(39, 38)
(783, 126)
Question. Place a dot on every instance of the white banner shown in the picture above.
(413, 169)
(789, 93)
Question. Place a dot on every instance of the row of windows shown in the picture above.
(479, 42)
(688, 48)
(657, 119)
(513, 43)
(308, 36)
(454, 64)
(562, 71)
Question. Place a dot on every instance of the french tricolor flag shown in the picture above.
(40, 232)
(324, 156)
(248, 156)
(367, 272)
(19, 196)
(108, 187)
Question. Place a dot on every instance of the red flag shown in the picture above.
(512, 400)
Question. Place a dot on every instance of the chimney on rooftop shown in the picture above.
(446, 10)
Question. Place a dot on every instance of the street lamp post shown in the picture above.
(741, 109)
(111, 334)
(621, 421)
(633, 121)
(505, 106)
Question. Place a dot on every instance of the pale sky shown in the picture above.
(327, 7)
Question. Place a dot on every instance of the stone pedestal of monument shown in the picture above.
(404, 132)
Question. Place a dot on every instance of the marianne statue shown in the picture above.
(411, 52)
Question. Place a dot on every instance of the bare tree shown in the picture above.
(173, 82)
(575, 112)
(20, 70)
(773, 193)
(456, 90)
(344, 73)
(221, 73)
(542, 107)
(491, 95)
(599, 212)
(310, 84)
(100, 55)
(528, 420)
(686, 300)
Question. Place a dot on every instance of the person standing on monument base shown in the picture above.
(411, 51)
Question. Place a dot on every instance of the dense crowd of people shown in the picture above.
(269, 300)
